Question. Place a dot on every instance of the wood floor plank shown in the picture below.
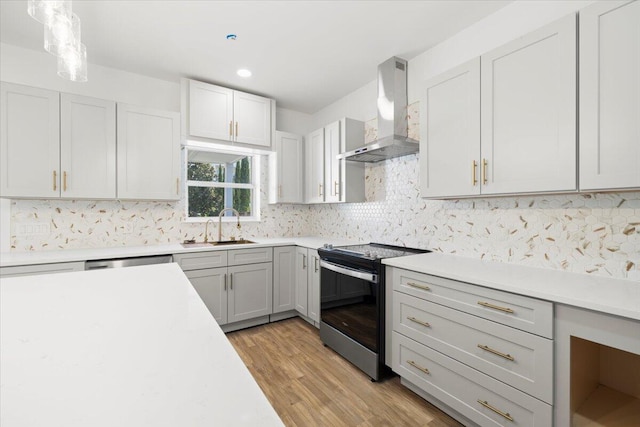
(309, 384)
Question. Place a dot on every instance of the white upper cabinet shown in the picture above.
(528, 120)
(226, 115)
(328, 179)
(148, 153)
(314, 170)
(210, 111)
(450, 133)
(331, 163)
(528, 88)
(87, 147)
(285, 168)
(30, 142)
(610, 96)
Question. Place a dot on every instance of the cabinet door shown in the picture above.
(252, 115)
(87, 147)
(211, 285)
(313, 285)
(450, 135)
(314, 171)
(250, 291)
(528, 140)
(610, 96)
(148, 153)
(331, 164)
(289, 163)
(301, 281)
(210, 111)
(29, 141)
(284, 278)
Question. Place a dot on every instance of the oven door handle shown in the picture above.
(364, 275)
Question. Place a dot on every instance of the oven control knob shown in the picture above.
(328, 246)
(367, 254)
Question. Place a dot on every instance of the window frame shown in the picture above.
(254, 185)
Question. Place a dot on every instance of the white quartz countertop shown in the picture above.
(10, 259)
(119, 347)
(612, 296)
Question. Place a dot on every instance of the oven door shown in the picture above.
(350, 302)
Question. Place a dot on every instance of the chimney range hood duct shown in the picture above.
(392, 117)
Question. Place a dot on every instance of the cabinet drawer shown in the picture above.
(250, 256)
(37, 269)
(518, 358)
(519, 312)
(464, 388)
(200, 260)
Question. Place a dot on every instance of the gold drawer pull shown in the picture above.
(64, 181)
(55, 180)
(496, 410)
(231, 128)
(484, 171)
(415, 365)
(415, 285)
(418, 321)
(236, 129)
(490, 350)
(495, 307)
(336, 188)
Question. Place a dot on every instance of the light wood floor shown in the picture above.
(311, 385)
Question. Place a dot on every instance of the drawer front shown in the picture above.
(520, 359)
(513, 310)
(200, 260)
(475, 395)
(37, 269)
(250, 256)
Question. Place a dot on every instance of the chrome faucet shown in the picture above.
(220, 221)
(206, 230)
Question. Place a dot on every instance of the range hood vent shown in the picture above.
(392, 117)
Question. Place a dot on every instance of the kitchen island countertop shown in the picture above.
(119, 347)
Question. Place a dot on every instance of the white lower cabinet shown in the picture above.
(284, 279)
(32, 270)
(313, 285)
(486, 354)
(238, 288)
(302, 301)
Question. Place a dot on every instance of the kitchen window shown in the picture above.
(219, 180)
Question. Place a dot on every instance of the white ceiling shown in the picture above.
(305, 54)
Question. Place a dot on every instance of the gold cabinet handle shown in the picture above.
(415, 285)
(315, 263)
(415, 365)
(336, 188)
(484, 171)
(495, 307)
(474, 172)
(319, 189)
(55, 180)
(418, 321)
(491, 350)
(236, 129)
(496, 410)
(64, 181)
(231, 128)
(304, 262)
(224, 278)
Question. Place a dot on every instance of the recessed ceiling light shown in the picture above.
(243, 72)
(231, 36)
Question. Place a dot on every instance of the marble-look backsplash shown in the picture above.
(590, 233)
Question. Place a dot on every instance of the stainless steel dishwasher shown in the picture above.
(126, 262)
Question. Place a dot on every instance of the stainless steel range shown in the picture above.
(352, 289)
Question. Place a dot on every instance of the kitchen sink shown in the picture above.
(194, 244)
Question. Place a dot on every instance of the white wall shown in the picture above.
(293, 121)
(33, 68)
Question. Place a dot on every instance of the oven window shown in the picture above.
(350, 305)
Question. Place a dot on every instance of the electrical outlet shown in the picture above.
(28, 229)
(128, 227)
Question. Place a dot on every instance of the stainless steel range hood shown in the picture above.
(392, 117)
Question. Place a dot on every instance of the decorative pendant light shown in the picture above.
(62, 36)
(43, 11)
(61, 32)
(72, 63)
